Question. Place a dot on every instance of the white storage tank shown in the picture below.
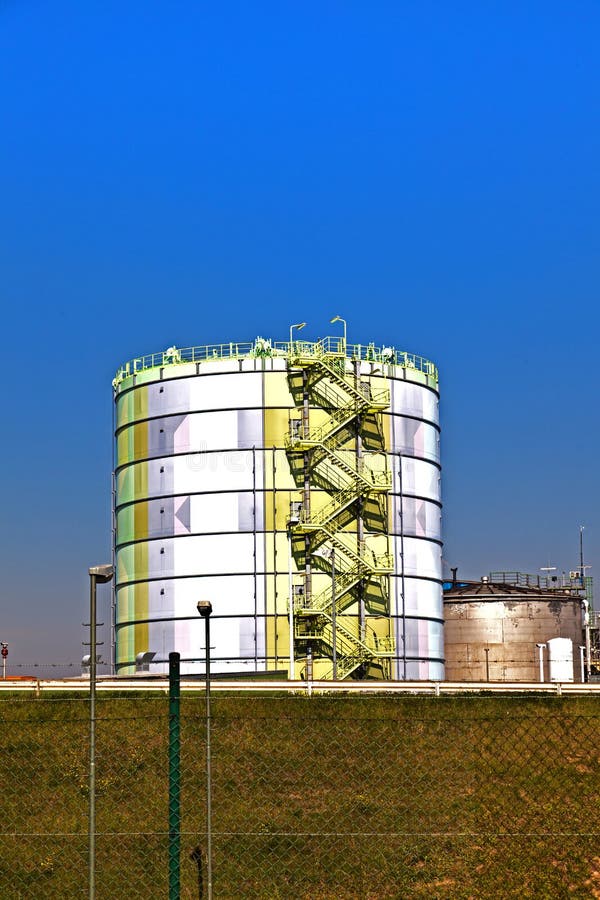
(560, 659)
(274, 474)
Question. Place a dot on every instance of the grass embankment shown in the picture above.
(324, 798)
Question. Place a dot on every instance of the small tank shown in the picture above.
(492, 626)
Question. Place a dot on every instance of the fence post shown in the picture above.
(92, 764)
(174, 777)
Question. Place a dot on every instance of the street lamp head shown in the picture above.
(102, 574)
(204, 607)
(344, 324)
(298, 327)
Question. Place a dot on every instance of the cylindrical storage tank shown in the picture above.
(560, 659)
(249, 473)
(492, 628)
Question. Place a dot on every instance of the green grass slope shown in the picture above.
(321, 798)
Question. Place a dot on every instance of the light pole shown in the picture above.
(541, 655)
(98, 575)
(586, 607)
(344, 323)
(486, 650)
(298, 327)
(205, 609)
(582, 668)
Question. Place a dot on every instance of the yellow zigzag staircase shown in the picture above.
(317, 456)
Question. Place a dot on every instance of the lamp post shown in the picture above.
(581, 663)
(205, 609)
(541, 655)
(586, 607)
(344, 323)
(298, 327)
(486, 650)
(98, 575)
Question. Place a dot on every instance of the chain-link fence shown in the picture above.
(317, 798)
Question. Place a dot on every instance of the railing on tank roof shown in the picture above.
(263, 348)
(518, 579)
(547, 582)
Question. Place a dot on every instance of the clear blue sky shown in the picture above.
(187, 173)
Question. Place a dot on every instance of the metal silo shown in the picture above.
(296, 486)
(493, 627)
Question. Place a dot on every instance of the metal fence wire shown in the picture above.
(319, 798)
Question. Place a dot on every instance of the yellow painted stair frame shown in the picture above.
(347, 481)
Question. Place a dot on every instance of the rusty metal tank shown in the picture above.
(491, 629)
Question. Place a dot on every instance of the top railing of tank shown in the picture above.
(548, 582)
(263, 348)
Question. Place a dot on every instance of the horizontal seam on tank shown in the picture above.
(238, 371)
(195, 412)
(191, 412)
(413, 617)
(151, 539)
(513, 598)
(439, 581)
(144, 459)
(269, 658)
(200, 659)
(161, 497)
(121, 584)
(425, 659)
(171, 537)
(194, 618)
(261, 371)
(266, 615)
(401, 455)
(429, 578)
